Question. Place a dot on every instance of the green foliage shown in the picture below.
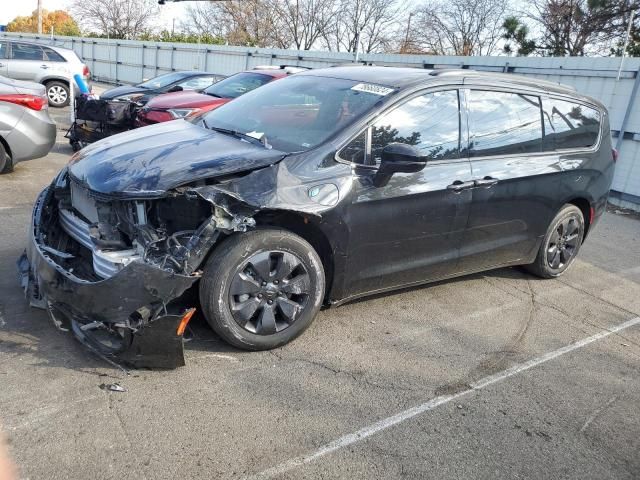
(167, 36)
(633, 49)
(517, 32)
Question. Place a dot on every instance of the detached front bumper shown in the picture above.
(136, 301)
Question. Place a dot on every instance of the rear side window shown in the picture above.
(52, 56)
(3, 50)
(503, 123)
(430, 123)
(24, 51)
(569, 125)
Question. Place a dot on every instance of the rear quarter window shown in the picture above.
(52, 56)
(569, 125)
(503, 123)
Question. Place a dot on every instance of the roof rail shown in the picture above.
(436, 72)
(505, 76)
(289, 69)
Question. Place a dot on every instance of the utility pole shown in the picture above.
(626, 43)
(357, 47)
(405, 45)
(40, 17)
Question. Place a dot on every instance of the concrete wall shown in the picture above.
(127, 61)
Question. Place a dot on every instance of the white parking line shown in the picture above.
(385, 423)
(217, 355)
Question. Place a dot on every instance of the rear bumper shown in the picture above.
(32, 137)
(135, 300)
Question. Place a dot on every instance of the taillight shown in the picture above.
(85, 71)
(614, 154)
(33, 102)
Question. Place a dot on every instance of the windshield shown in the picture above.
(162, 80)
(297, 113)
(237, 85)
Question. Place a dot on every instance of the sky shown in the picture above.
(9, 9)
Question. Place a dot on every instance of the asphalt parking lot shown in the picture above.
(468, 378)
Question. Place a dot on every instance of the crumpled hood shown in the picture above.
(151, 160)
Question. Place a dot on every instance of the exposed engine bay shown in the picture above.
(173, 233)
(116, 267)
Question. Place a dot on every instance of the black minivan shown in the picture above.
(317, 189)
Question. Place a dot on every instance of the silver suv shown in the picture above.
(53, 67)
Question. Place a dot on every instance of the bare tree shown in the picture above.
(370, 24)
(247, 22)
(460, 27)
(116, 18)
(306, 21)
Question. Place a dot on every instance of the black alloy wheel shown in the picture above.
(561, 243)
(269, 292)
(261, 289)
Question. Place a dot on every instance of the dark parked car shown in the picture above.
(188, 104)
(319, 188)
(168, 82)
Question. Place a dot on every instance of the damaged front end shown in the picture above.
(115, 271)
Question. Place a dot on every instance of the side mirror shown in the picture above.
(398, 158)
(175, 88)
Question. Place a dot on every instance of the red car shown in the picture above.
(171, 106)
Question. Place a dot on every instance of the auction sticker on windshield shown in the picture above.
(375, 89)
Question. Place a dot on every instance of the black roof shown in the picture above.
(405, 77)
(394, 77)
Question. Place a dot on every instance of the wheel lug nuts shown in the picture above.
(270, 302)
(275, 282)
(264, 284)
(259, 295)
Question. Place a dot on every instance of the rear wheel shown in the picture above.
(561, 243)
(58, 94)
(262, 289)
(6, 165)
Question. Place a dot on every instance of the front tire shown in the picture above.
(561, 243)
(262, 289)
(6, 165)
(58, 94)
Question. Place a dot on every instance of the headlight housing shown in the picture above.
(183, 112)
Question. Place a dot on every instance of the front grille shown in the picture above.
(105, 263)
(76, 228)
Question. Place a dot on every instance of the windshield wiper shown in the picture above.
(212, 94)
(241, 135)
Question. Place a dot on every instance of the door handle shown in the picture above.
(486, 182)
(44, 66)
(459, 185)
